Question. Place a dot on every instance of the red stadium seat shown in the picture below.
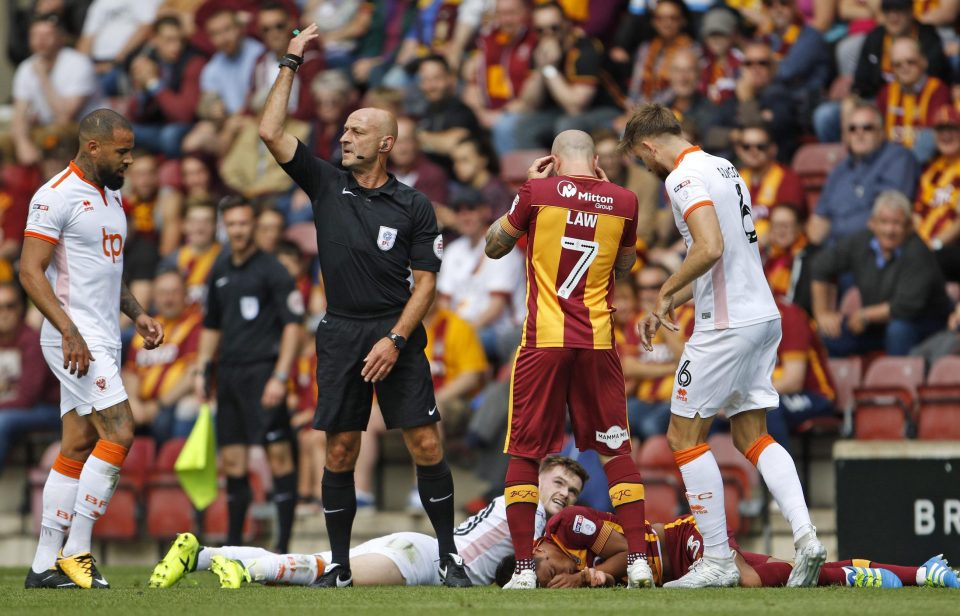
(662, 500)
(139, 462)
(733, 464)
(847, 374)
(655, 460)
(121, 520)
(732, 495)
(813, 162)
(879, 421)
(943, 382)
(168, 510)
(939, 421)
(514, 165)
(885, 372)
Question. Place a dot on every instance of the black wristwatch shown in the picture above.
(397, 340)
(291, 61)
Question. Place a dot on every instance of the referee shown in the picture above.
(253, 315)
(371, 232)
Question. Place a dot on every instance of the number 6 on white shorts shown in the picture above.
(588, 250)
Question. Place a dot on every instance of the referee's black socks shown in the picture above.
(339, 508)
(238, 501)
(435, 484)
(285, 499)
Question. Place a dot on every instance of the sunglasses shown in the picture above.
(910, 62)
(861, 128)
(754, 146)
(548, 29)
(271, 27)
(10, 306)
(763, 63)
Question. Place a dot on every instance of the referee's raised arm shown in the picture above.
(282, 144)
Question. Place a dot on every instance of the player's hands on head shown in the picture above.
(76, 354)
(151, 330)
(379, 361)
(541, 168)
(299, 43)
(274, 393)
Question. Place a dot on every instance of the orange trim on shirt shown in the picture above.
(695, 206)
(64, 176)
(76, 169)
(693, 148)
(41, 236)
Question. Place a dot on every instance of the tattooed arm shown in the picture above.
(499, 240)
(625, 261)
(129, 304)
(147, 327)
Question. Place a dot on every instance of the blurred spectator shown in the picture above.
(141, 254)
(166, 84)
(569, 89)
(289, 255)
(413, 168)
(113, 31)
(379, 50)
(275, 28)
(787, 258)
(937, 206)
(635, 178)
(248, 168)
(56, 85)
(341, 23)
(475, 168)
(20, 14)
(457, 362)
(757, 97)
(17, 185)
(875, 68)
(446, 120)
(801, 376)
(246, 10)
(860, 18)
(334, 99)
(721, 57)
(771, 183)
(803, 60)
(872, 166)
(495, 74)
(195, 259)
(652, 373)
(651, 67)
(470, 16)
(199, 180)
(683, 95)
(487, 293)
(29, 394)
(269, 232)
(161, 392)
(901, 287)
(910, 101)
(224, 81)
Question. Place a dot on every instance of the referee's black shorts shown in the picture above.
(344, 399)
(241, 419)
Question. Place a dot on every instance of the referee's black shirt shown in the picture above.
(367, 238)
(251, 304)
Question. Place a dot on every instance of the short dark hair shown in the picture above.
(273, 5)
(100, 124)
(649, 120)
(18, 292)
(484, 148)
(434, 57)
(167, 20)
(202, 203)
(287, 247)
(51, 18)
(603, 134)
(550, 4)
(231, 202)
(565, 463)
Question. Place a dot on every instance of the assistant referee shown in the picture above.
(371, 232)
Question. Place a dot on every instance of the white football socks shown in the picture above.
(704, 491)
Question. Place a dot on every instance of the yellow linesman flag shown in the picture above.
(196, 466)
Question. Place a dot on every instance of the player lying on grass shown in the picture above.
(582, 547)
(483, 541)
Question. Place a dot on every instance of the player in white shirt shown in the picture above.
(727, 365)
(405, 558)
(71, 268)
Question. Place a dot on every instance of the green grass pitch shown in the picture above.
(200, 594)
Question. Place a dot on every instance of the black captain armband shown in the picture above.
(291, 61)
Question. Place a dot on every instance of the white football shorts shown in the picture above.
(101, 387)
(728, 370)
(415, 555)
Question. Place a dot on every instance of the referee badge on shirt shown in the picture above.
(249, 308)
(387, 238)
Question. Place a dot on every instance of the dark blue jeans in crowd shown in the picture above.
(161, 138)
(647, 419)
(15, 423)
(795, 409)
(897, 337)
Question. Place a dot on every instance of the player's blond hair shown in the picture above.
(647, 121)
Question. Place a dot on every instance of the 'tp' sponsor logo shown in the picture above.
(112, 245)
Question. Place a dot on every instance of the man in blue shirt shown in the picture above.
(874, 165)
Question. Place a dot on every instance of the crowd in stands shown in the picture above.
(479, 87)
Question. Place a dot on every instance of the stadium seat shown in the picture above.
(847, 374)
(662, 499)
(880, 421)
(121, 520)
(168, 510)
(939, 421)
(733, 464)
(885, 372)
(813, 163)
(655, 460)
(943, 382)
(514, 165)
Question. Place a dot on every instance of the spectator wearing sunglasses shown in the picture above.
(873, 165)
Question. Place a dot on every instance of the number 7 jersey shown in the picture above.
(575, 228)
(734, 292)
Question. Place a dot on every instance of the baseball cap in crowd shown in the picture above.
(467, 200)
(897, 5)
(947, 115)
(718, 21)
